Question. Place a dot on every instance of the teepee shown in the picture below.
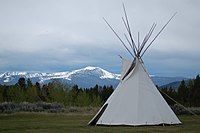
(136, 100)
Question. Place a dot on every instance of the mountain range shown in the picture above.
(85, 77)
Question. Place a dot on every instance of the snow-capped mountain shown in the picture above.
(90, 76)
(12, 77)
(85, 77)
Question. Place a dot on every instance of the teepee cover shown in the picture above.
(135, 101)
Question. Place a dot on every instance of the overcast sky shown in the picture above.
(61, 35)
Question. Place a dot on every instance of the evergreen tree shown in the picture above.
(190, 92)
(74, 93)
(5, 93)
(1, 93)
(39, 91)
(196, 96)
(83, 99)
(183, 92)
(16, 94)
(96, 101)
(31, 95)
(106, 92)
(22, 83)
(29, 83)
(95, 90)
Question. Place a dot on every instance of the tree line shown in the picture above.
(188, 93)
(25, 91)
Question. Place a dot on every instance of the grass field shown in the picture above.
(49, 122)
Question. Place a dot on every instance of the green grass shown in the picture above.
(47, 122)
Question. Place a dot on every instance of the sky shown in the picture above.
(63, 35)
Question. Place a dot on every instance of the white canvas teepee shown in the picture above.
(136, 100)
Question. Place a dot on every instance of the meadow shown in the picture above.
(76, 122)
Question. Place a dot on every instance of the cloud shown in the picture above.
(61, 35)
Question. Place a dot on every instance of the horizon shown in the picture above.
(151, 75)
(58, 36)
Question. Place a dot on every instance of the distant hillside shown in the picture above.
(173, 85)
(161, 81)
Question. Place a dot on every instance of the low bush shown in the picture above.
(9, 107)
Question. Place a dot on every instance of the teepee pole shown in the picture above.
(147, 37)
(130, 44)
(178, 103)
(118, 37)
(158, 33)
(129, 29)
(138, 40)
